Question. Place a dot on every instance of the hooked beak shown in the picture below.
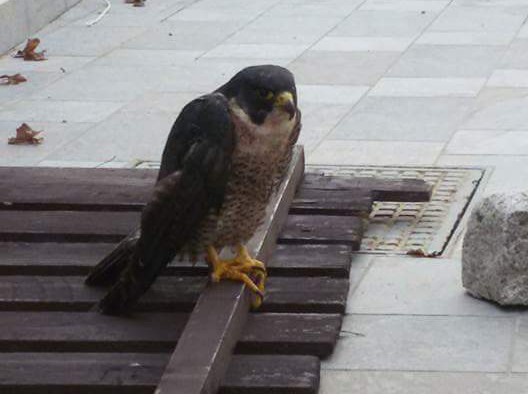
(285, 101)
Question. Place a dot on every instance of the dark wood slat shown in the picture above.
(74, 188)
(311, 260)
(202, 354)
(322, 229)
(68, 293)
(413, 190)
(277, 375)
(138, 373)
(265, 333)
(66, 226)
(65, 259)
(356, 202)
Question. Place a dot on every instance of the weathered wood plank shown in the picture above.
(403, 190)
(356, 202)
(66, 226)
(169, 293)
(311, 260)
(72, 226)
(264, 333)
(322, 229)
(202, 354)
(74, 188)
(126, 373)
(66, 259)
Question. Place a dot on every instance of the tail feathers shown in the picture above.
(119, 299)
(134, 281)
(108, 270)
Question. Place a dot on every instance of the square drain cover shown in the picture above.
(403, 227)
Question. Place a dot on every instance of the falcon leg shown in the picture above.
(241, 268)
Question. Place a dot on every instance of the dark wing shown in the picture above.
(192, 180)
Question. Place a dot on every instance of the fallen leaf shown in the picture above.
(28, 53)
(137, 3)
(14, 79)
(422, 253)
(25, 135)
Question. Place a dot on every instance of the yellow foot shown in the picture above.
(242, 268)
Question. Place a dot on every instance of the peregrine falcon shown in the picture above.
(225, 155)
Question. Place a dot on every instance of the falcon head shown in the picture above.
(264, 93)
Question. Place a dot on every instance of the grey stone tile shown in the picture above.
(383, 23)
(447, 61)
(520, 351)
(523, 32)
(428, 87)
(58, 111)
(123, 15)
(375, 152)
(333, 94)
(403, 119)
(499, 109)
(36, 81)
(394, 382)
(316, 116)
(466, 38)
(194, 14)
(205, 75)
(360, 266)
(509, 78)
(148, 57)
(56, 135)
(161, 102)
(8, 64)
(417, 286)
(310, 138)
(491, 3)
(293, 8)
(125, 136)
(423, 343)
(516, 57)
(500, 19)
(189, 35)
(256, 51)
(225, 10)
(404, 5)
(488, 142)
(359, 44)
(83, 41)
(104, 83)
(294, 30)
(508, 173)
(341, 68)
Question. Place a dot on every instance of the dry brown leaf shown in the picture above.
(28, 53)
(422, 253)
(137, 3)
(14, 79)
(25, 135)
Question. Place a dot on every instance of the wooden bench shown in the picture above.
(187, 336)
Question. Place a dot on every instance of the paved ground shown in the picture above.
(380, 82)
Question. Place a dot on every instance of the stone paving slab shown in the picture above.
(403, 119)
(376, 382)
(416, 286)
(381, 82)
(423, 343)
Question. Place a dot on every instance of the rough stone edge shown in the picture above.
(19, 19)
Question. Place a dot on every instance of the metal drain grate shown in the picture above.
(400, 228)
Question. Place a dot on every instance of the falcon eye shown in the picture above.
(265, 94)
